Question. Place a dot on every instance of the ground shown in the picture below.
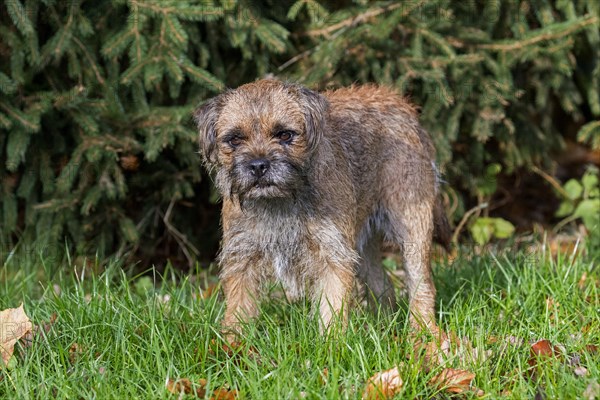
(120, 335)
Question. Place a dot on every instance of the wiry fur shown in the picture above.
(358, 172)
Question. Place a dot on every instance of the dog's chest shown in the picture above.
(281, 240)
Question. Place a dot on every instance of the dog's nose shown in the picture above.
(259, 166)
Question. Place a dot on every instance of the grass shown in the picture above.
(118, 335)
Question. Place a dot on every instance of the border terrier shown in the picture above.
(313, 184)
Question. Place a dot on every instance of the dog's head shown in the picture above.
(260, 137)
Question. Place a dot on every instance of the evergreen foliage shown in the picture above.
(96, 141)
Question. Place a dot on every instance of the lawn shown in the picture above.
(120, 335)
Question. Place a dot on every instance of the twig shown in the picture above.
(181, 239)
(296, 58)
(465, 218)
(552, 181)
(544, 36)
(518, 44)
(360, 18)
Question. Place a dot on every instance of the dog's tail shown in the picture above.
(442, 233)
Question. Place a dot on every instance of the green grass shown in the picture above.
(131, 341)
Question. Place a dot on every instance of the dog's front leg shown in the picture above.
(242, 292)
(332, 294)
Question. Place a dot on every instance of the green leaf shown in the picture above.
(503, 229)
(143, 285)
(573, 189)
(485, 228)
(489, 184)
(565, 208)
(482, 230)
(590, 181)
(589, 212)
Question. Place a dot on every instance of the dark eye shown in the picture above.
(235, 141)
(285, 136)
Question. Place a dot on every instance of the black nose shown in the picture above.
(259, 166)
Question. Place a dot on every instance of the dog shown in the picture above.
(312, 185)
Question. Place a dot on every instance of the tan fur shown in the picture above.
(313, 212)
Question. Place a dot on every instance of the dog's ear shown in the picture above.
(315, 107)
(206, 117)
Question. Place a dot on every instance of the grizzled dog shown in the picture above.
(313, 185)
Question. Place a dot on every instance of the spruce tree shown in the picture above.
(98, 151)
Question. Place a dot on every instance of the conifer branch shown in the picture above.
(362, 18)
(564, 29)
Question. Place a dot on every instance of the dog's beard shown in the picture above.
(283, 180)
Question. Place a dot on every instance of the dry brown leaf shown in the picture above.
(14, 324)
(455, 381)
(75, 352)
(591, 348)
(224, 394)
(543, 349)
(185, 386)
(383, 385)
(434, 351)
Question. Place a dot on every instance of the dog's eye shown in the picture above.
(235, 141)
(285, 136)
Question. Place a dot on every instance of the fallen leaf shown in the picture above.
(14, 324)
(74, 352)
(455, 381)
(185, 386)
(383, 385)
(591, 348)
(543, 349)
(592, 391)
(223, 394)
(434, 351)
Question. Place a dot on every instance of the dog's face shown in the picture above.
(260, 138)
